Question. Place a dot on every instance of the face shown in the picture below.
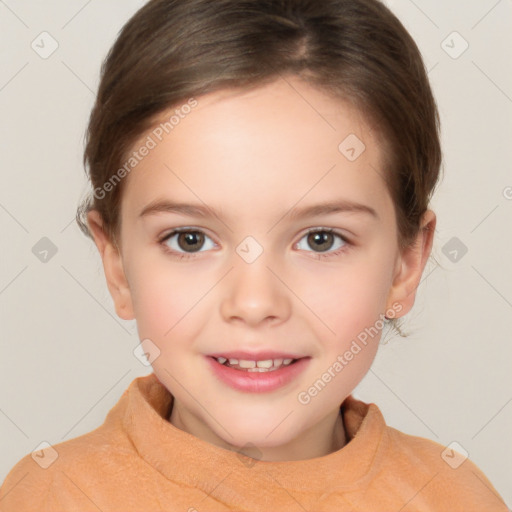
(261, 269)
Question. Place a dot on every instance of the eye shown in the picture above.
(184, 242)
(323, 239)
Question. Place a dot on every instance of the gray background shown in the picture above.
(67, 358)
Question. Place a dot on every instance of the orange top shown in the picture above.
(138, 461)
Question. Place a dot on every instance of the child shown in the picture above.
(257, 130)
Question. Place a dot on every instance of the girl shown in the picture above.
(261, 175)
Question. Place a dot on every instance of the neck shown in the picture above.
(325, 437)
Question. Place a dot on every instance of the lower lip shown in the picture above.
(258, 382)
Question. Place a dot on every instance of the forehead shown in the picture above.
(249, 146)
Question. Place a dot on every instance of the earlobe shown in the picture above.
(410, 265)
(112, 266)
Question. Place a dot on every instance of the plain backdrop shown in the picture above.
(66, 357)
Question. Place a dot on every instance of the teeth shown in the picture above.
(247, 364)
(265, 364)
(255, 366)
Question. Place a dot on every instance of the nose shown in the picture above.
(254, 293)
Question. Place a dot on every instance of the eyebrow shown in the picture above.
(197, 210)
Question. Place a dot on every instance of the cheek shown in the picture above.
(349, 299)
(163, 299)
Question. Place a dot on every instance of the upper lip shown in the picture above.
(256, 356)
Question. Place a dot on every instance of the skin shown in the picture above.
(254, 157)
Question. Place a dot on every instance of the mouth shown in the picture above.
(257, 373)
(253, 365)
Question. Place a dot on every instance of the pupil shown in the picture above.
(190, 239)
(320, 238)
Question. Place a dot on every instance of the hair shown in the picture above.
(355, 50)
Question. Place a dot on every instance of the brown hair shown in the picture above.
(357, 50)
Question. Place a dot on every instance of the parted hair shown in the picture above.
(357, 50)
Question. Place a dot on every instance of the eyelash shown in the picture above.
(319, 255)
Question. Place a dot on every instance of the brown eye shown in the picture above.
(324, 241)
(190, 240)
(183, 241)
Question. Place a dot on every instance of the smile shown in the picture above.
(257, 376)
(268, 365)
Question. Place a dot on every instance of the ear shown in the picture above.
(113, 267)
(410, 265)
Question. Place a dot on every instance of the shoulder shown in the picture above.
(61, 476)
(91, 470)
(441, 476)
